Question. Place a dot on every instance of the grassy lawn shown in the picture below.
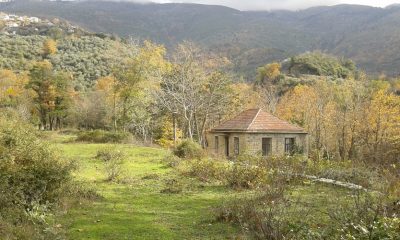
(136, 208)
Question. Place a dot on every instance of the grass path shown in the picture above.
(136, 208)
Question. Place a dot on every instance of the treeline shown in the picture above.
(156, 96)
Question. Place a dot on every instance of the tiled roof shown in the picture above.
(256, 120)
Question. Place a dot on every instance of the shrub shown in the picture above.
(247, 172)
(172, 186)
(114, 169)
(108, 154)
(113, 160)
(262, 215)
(33, 178)
(30, 170)
(100, 136)
(171, 160)
(208, 169)
(189, 150)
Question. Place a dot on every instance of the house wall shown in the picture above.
(251, 143)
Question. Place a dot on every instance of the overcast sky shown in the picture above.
(280, 4)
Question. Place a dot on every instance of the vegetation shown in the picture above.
(189, 149)
(322, 65)
(137, 204)
(86, 57)
(33, 180)
(172, 98)
(100, 136)
(249, 39)
(278, 205)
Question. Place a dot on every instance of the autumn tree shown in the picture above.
(268, 74)
(194, 91)
(107, 90)
(11, 87)
(49, 47)
(382, 129)
(52, 94)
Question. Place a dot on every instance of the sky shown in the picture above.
(281, 4)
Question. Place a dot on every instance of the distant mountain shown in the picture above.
(369, 36)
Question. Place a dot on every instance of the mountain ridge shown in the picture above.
(368, 35)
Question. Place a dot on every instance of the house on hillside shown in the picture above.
(256, 132)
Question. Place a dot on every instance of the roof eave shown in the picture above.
(257, 131)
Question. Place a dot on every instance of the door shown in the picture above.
(227, 146)
(266, 146)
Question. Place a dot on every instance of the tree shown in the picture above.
(136, 78)
(49, 47)
(11, 87)
(52, 94)
(269, 73)
(194, 92)
(383, 131)
(108, 87)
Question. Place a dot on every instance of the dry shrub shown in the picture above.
(171, 160)
(100, 136)
(208, 169)
(262, 214)
(172, 186)
(110, 153)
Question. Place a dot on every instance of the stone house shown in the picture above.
(256, 132)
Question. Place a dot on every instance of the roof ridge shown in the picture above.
(252, 121)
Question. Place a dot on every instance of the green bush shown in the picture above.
(248, 172)
(30, 171)
(189, 150)
(208, 169)
(108, 154)
(114, 169)
(100, 136)
(171, 160)
(33, 179)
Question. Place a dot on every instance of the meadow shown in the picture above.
(141, 205)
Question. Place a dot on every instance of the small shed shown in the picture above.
(256, 132)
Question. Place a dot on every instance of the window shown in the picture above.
(216, 142)
(289, 145)
(266, 146)
(236, 145)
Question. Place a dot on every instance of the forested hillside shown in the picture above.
(84, 55)
(367, 35)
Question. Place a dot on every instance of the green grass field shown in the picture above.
(136, 208)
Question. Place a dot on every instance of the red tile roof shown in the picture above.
(256, 120)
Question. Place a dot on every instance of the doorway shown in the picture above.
(227, 146)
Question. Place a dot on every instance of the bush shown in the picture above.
(171, 160)
(108, 154)
(114, 169)
(33, 178)
(262, 214)
(172, 186)
(100, 136)
(248, 172)
(208, 169)
(189, 150)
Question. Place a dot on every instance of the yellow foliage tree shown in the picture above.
(11, 86)
(166, 138)
(268, 73)
(49, 47)
(383, 126)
